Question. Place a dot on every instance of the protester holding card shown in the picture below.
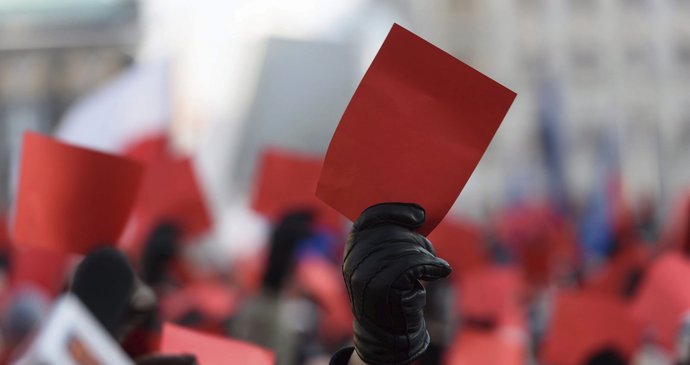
(414, 131)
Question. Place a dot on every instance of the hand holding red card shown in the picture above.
(72, 199)
(415, 129)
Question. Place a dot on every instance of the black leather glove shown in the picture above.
(384, 260)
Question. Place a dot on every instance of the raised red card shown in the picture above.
(664, 298)
(72, 199)
(584, 323)
(287, 180)
(414, 131)
(170, 192)
(212, 350)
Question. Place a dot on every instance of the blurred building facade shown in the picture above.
(51, 53)
(610, 73)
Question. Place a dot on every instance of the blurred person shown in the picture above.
(26, 309)
(385, 259)
(159, 253)
(272, 318)
(108, 287)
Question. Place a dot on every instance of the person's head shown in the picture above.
(107, 285)
(294, 227)
(161, 249)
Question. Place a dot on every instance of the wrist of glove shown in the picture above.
(384, 260)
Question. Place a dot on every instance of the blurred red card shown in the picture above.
(40, 268)
(212, 350)
(287, 180)
(493, 293)
(664, 298)
(170, 191)
(215, 301)
(415, 129)
(615, 275)
(323, 281)
(504, 346)
(584, 323)
(72, 199)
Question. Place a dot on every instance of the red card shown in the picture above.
(504, 347)
(323, 281)
(170, 191)
(415, 129)
(613, 277)
(287, 180)
(72, 199)
(585, 322)
(212, 350)
(494, 293)
(664, 297)
(43, 269)
(542, 240)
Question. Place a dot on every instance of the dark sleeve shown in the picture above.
(342, 356)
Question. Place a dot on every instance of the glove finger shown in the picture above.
(408, 215)
(425, 267)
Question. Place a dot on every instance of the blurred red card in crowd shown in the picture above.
(664, 298)
(506, 346)
(40, 268)
(214, 300)
(70, 198)
(212, 350)
(616, 276)
(415, 129)
(287, 180)
(323, 282)
(492, 294)
(170, 191)
(459, 243)
(584, 323)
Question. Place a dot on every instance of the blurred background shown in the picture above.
(600, 129)
(229, 76)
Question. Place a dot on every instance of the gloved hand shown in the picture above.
(384, 260)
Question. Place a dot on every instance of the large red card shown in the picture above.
(664, 298)
(212, 350)
(415, 129)
(287, 180)
(584, 323)
(72, 199)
